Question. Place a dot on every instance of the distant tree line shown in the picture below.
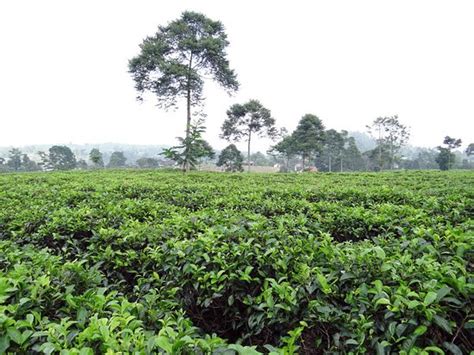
(60, 157)
(173, 64)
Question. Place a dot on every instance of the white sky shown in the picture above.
(63, 67)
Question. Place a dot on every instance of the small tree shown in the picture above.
(117, 160)
(244, 120)
(391, 135)
(172, 63)
(446, 157)
(192, 149)
(286, 148)
(96, 158)
(61, 157)
(309, 137)
(231, 159)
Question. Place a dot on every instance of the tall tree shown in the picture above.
(173, 62)
(61, 157)
(15, 159)
(230, 159)
(333, 147)
(244, 120)
(352, 155)
(96, 157)
(309, 137)
(117, 160)
(390, 134)
(192, 149)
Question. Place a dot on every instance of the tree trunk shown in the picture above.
(392, 158)
(380, 148)
(186, 166)
(248, 151)
(303, 163)
(341, 163)
(330, 167)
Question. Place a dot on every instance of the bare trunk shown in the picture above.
(186, 165)
(248, 151)
(391, 157)
(330, 167)
(303, 162)
(380, 148)
(341, 164)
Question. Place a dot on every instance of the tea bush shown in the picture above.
(145, 262)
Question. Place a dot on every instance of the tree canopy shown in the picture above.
(173, 62)
(117, 159)
(390, 135)
(61, 157)
(309, 137)
(244, 120)
(230, 159)
(96, 158)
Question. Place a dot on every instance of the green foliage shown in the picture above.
(446, 158)
(173, 62)
(96, 158)
(286, 149)
(193, 148)
(147, 262)
(230, 159)
(309, 137)
(246, 119)
(470, 149)
(331, 158)
(61, 158)
(14, 159)
(390, 135)
(17, 161)
(117, 160)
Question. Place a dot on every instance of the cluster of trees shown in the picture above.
(172, 65)
(58, 157)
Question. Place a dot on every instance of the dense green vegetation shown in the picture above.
(142, 262)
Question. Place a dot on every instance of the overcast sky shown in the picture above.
(64, 79)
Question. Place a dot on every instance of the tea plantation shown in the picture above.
(207, 263)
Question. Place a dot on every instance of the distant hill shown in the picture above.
(363, 141)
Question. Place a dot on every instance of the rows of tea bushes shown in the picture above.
(147, 262)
